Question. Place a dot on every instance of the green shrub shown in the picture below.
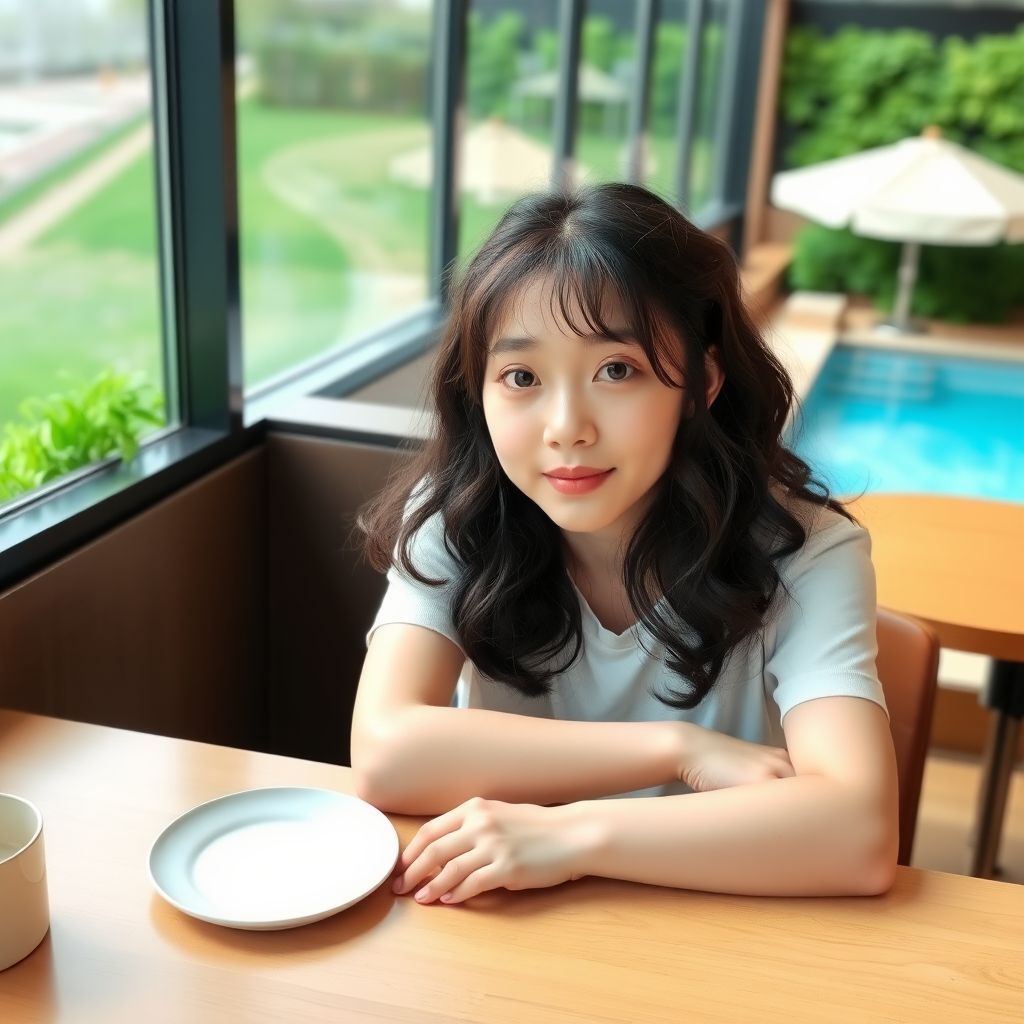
(838, 261)
(981, 103)
(64, 432)
(858, 89)
(976, 284)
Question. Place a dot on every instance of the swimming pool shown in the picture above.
(887, 420)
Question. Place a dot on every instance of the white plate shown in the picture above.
(273, 858)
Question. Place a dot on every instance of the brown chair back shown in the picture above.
(908, 669)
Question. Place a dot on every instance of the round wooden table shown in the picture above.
(958, 564)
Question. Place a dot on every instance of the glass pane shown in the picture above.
(606, 76)
(511, 81)
(80, 319)
(334, 165)
(666, 82)
(702, 154)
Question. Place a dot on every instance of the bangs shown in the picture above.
(583, 278)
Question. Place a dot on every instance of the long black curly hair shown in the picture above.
(701, 568)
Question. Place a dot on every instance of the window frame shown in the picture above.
(211, 417)
(192, 58)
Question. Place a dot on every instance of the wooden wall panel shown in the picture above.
(159, 625)
(765, 123)
(323, 595)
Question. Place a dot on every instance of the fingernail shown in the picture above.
(421, 894)
(446, 898)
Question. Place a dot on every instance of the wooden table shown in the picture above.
(958, 564)
(935, 948)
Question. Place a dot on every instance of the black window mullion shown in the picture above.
(646, 21)
(689, 87)
(753, 26)
(447, 115)
(725, 104)
(202, 197)
(229, 154)
(165, 212)
(570, 28)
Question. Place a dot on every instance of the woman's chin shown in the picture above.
(574, 516)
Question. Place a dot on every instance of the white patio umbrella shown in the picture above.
(922, 190)
(593, 86)
(497, 161)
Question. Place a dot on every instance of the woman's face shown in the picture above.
(581, 425)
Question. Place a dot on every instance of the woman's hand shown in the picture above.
(713, 760)
(487, 844)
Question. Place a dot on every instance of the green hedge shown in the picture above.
(64, 432)
(860, 88)
(374, 63)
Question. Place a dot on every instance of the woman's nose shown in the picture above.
(569, 422)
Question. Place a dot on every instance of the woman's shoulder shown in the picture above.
(826, 530)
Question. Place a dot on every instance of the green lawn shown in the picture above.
(84, 296)
(330, 246)
(30, 192)
(316, 207)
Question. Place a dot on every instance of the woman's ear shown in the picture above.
(714, 375)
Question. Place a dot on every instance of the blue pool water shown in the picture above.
(880, 420)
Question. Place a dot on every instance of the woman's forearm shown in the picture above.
(426, 760)
(807, 835)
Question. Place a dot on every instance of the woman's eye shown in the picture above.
(617, 371)
(519, 379)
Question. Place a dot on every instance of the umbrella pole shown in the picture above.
(906, 278)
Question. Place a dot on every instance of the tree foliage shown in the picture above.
(862, 88)
(493, 51)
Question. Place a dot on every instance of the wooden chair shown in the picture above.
(908, 668)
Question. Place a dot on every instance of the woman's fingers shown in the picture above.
(482, 880)
(432, 859)
(430, 832)
(452, 874)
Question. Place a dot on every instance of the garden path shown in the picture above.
(22, 229)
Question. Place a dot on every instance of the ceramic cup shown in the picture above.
(24, 908)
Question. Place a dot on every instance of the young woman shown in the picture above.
(645, 594)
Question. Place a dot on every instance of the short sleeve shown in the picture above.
(825, 642)
(420, 604)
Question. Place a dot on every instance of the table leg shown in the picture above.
(1004, 694)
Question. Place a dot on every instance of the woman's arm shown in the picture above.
(830, 830)
(413, 754)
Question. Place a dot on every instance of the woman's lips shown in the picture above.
(578, 480)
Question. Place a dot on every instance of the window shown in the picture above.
(334, 168)
(511, 83)
(705, 171)
(605, 84)
(81, 356)
(668, 60)
(287, 232)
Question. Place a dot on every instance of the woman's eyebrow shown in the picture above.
(503, 345)
(525, 344)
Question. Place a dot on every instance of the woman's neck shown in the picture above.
(595, 564)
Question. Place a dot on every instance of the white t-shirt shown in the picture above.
(819, 641)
